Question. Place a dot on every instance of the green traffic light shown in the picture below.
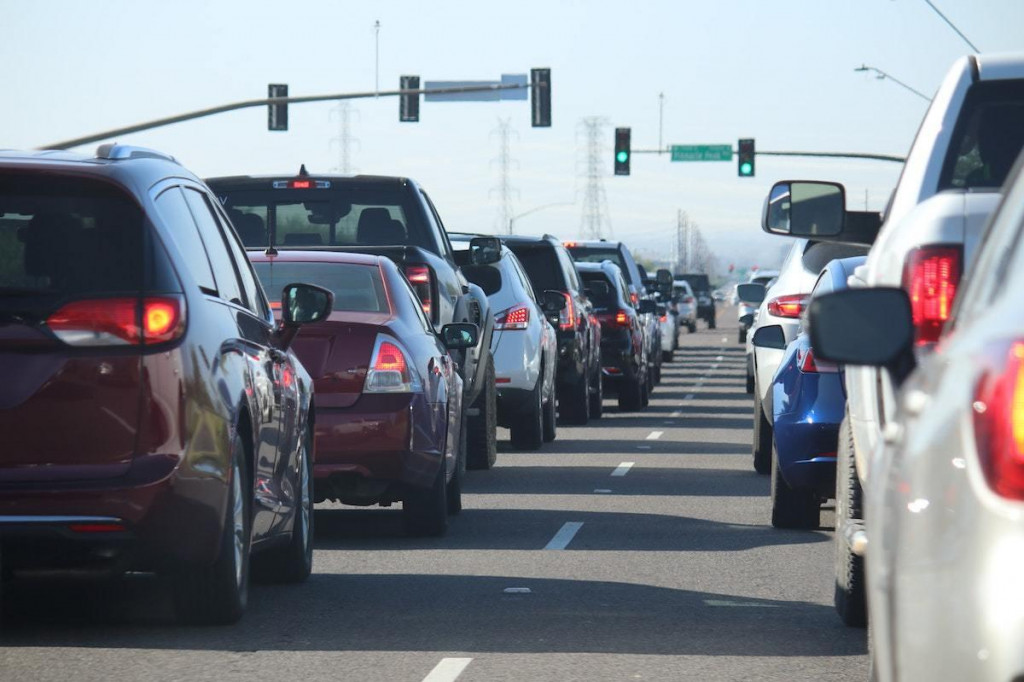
(622, 157)
(746, 168)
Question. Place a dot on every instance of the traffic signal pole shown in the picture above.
(248, 104)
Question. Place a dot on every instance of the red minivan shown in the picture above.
(153, 418)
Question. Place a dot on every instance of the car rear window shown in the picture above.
(542, 267)
(356, 287)
(988, 136)
(601, 300)
(63, 237)
(590, 254)
(323, 217)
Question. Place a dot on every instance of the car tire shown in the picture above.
(574, 403)
(597, 398)
(294, 562)
(711, 322)
(692, 327)
(850, 591)
(216, 594)
(528, 428)
(792, 508)
(750, 383)
(646, 390)
(425, 510)
(550, 416)
(453, 491)
(762, 440)
(481, 428)
(631, 394)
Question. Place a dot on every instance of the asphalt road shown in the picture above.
(635, 548)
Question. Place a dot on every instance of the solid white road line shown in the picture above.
(654, 435)
(602, 491)
(623, 469)
(448, 670)
(564, 535)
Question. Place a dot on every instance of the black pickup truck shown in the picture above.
(389, 216)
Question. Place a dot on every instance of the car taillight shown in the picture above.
(999, 423)
(516, 317)
(420, 278)
(119, 321)
(663, 318)
(622, 318)
(809, 364)
(634, 298)
(567, 315)
(688, 299)
(790, 305)
(390, 370)
(930, 277)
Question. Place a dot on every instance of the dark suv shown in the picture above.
(702, 291)
(153, 416)
(578, 377)
(624, 359)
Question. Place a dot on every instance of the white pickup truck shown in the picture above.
(937, 214)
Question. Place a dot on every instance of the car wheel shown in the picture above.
(850, 595)
(217, 593)
(575, 401)
(792, 508)
(762, 447)
(425, 511)
(528, 428)
(668, 356)
(550, 417)
(453, 491)
(631, 394)
(596, 398)
(646, 390)
(294, 562)
(750, 383)
(481, 427)
(692, 327)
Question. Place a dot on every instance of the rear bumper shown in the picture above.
(369, 452)
(807, 454)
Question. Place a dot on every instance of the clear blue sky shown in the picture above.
(781, 72)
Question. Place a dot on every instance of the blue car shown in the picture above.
(808, 404)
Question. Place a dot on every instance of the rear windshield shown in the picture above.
(601, 300)
(590, 254)
(357, 216)
(542, 267)
(987, 138)
(356, 287)
(698, 283)
(68, 238)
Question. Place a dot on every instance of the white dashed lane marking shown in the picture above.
(448, 670)
(564, 536)
(623, 469)
(654, 435)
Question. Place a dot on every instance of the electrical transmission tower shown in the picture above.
(344, 138)
(595, 203)
(692, 252)
(504, 133)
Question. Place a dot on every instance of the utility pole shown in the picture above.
(376, 56)
(661, 120)
(595, 202)
(504, 132)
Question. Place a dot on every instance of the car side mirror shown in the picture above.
(770, 336)
(805, 209)
(648, 307)
(872, 327)
(751, 293)
(305, 303)
(460, 335)
(484, 250)
(663, 276)
(747, 320)
(552, 301)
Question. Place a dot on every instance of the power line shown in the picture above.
(952, 25)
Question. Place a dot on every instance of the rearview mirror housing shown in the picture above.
(305, 303)
(484, 250)
(552, 301)
(770, 336)
(460, 335)
(751, 293)
(816, 210)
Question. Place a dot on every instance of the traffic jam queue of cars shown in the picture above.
(887, 366)
(223, 355)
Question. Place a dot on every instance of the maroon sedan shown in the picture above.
(387, 403)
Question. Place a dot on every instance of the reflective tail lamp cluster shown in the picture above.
(390, 370)
(421, 278)
(516, 317)
(808, 364)
(999, 421)
(567, 315)
(791, 305)
(931, 276)
(129, 321)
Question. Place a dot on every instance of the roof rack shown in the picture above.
(121, 152)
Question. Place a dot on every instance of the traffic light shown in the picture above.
(277, 114)
(540, 104)
(409, 105)
(622, 151)
(745, 157)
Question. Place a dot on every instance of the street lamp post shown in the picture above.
(881, 75)
(513, 219)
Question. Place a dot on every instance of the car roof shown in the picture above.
(1000, 65)
(136, 168)
(353, 180)
(300, 256)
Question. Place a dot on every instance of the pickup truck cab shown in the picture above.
(387, 216)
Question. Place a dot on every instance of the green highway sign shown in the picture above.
(701, 152)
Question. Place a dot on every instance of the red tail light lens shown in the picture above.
(999, 423)
(516, 317)
(930, 277)
(622, 318)
(567, 315)
(390, 371)
(791, 305)
(420, 278)
(97, 528)
(810, 365)
(663, 318)
(119, 321)
(634, 298)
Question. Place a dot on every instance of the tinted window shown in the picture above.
(253, 292)
(223, 264)
(585, 254)
(569, 267)
(356, 287)
(987, 138)
(600, 300)
(542, 266)
(182, 230)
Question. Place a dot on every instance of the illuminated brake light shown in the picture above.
(622, 318)
(390, 371)
(567, 315)
(516, 317)
(810, 365)
(301, 184)
(116, 321)
(569, 245)
(663, 318)
(634, 298)
(930, 277)
(420, 278)
(791, 305)
(999, 423)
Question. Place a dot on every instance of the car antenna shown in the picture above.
(302, 171)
